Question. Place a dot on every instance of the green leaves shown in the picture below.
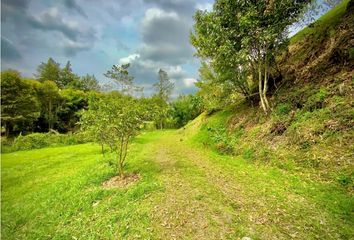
(114, 120)
(164, 86)
(120, 76)
(18, 100)
(238, 39)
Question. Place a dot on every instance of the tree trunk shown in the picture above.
(7, 129)
(120, 158)
(50, 115)
(265, 87)
(121, 171)
(260, 89)
(125, 150)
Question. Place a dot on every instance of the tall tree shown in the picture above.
(218, 45)
(49, 96)
(120, 76)
(90, 83)
(66, 77)
(49, 71)
(72, 102)
(18, 101)
(164, 89)
(164, 86)
(238, 36)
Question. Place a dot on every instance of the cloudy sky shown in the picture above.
(95, 34)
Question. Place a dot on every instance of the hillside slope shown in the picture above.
(310, 130)
(324, 49)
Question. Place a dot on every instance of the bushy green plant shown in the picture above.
(248, 154)
(282, 109)
(222, 140)
(6, 144)
(185, 108)
(317, 100)
(42, 140)
(345, 179)
(31, 141)
(114, 121)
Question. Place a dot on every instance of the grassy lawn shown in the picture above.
(56, 193)
(185, 192)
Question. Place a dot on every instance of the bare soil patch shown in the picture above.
(119, 182)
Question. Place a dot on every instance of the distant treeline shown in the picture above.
(55, 98)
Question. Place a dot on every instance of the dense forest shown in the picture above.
(262, 150)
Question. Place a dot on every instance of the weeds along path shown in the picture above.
(208, 196)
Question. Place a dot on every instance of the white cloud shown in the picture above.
(129, 59)
(205, 6)
(153, 13)
(189, 82)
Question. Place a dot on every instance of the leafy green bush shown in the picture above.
(248, 154)
(42, 140)
(224, 143)
(282, 109)
(31, 141)
(185, 108)
(345, 179)
(316, 101)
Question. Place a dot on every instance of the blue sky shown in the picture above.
(95, 34)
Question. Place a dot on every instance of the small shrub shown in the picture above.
(305, 144)
(248, 154)
(282, 109)
(42, 140)
(31, 141)
(316, 101)
(345, 179)
(237, 133)
(149, 126)
(223, 142)
(265, 154)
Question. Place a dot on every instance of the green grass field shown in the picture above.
(185, 192)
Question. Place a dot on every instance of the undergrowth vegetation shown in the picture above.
(316, 138)
(43, 140)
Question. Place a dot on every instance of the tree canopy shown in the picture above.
(18, 101)
(240, 39)
(114, 121)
